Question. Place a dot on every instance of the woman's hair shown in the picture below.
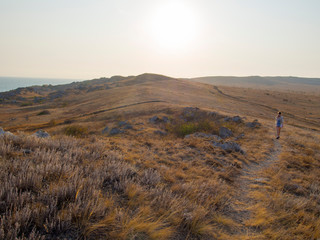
(279, 113)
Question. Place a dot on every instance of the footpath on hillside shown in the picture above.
(246, 181)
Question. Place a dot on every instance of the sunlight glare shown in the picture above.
(173, 26)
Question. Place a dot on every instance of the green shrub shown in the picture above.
(182, 129)
(76, 131)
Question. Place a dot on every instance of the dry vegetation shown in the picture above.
(132, 187)
(288, 204)
(150, 181)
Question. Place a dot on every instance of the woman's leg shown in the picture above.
(278, 132)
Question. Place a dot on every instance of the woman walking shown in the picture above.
(279, 124)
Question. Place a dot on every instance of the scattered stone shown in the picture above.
(253, 124)
(236, 119)
(229, 146)
(225, 132)
(154, 119)
(6, 133)
(105, 130)
(203, 135)
(122, 123)
(26, 151)
(239, 136)
(165, 119)
(159, 132)
(128, 126)
(41, 134)
(115, 131)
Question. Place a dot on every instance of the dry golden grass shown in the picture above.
(287, 206)
(142, 185)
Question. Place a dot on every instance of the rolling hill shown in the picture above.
(155, 157)
(310, 85)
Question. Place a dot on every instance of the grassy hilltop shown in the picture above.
(154, 157)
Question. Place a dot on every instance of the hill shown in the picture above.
(298, 84)
(155, 157)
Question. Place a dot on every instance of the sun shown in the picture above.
(173, 25)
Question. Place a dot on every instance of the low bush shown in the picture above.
(182, 129)
(76, 131)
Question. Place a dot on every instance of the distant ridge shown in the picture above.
(276, 83)
(259, 80)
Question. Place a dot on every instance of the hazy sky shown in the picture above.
(180, 38)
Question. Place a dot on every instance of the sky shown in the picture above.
(84, 39)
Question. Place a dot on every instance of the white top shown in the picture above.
(281, 121)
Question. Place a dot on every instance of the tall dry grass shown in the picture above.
(78, 189)
(289, 204)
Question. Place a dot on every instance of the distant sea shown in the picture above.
(10, 83)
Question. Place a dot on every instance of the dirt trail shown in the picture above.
(242, 202)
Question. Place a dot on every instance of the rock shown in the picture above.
(155, 119)
(115, 131)
(128, 126)
(253, 124)
(41, 134)
(229, 146)
(105, 130)
(2, 132)
(236, 119)
(26, 151)
(225, 132)
(165, 119)
(203, 135)
(122, 123)
(161, 133)
(239, 136)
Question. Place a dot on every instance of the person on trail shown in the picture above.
(279, 124)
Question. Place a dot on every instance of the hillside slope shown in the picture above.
(81, 100)
(298, 84)
(153, 157)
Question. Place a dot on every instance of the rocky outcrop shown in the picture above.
(236, 119)
(159, 132)
(115, 131)
(229, 146)
(156, 119)
(2, 132)
(253, 124)
(105, 130)
(41, 134)
(225, 132)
